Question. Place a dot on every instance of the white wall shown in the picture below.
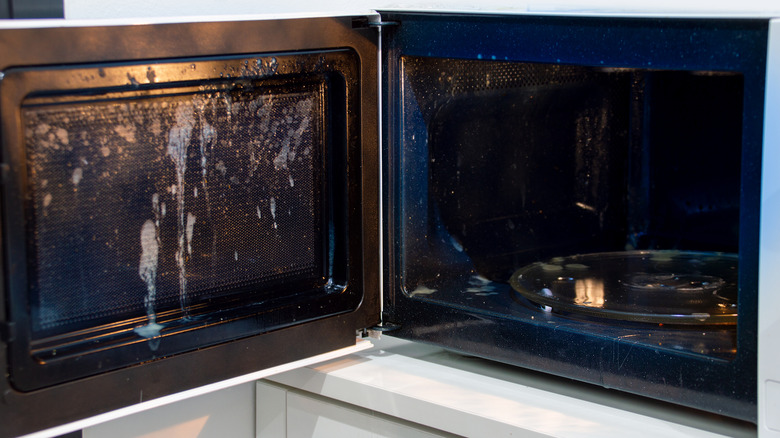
(89, 9)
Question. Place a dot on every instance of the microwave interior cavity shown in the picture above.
(206, 205)
(580, 200)
(614, 192)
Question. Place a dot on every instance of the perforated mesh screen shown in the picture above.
(144, 204)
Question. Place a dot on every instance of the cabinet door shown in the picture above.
(287, 413)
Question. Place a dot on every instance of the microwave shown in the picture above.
(588, 196)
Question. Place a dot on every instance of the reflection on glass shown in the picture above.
(589, 292)
(674, 287)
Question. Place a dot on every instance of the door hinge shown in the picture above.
(376, 331)
(383, 23)
(364, 22)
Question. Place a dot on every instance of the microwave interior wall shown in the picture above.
(195, 207)
(563, 191)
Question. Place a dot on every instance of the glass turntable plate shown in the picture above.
(670, 287)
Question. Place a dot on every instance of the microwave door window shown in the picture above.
(112, 241)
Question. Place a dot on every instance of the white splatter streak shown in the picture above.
(273, 210)
(178, 141)
(77, 175)
(280, 162)
(422, 290)
(156, 128)
(62, 136)
(179, 137)
(147, 267)
(207, 137)
(221, 167)
(126, 131)
(42, 129)
(147, 270)
(190, 230)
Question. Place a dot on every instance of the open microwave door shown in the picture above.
(182, 204)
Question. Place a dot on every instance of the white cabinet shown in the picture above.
(297, 414)
(405, 389)
(400, 388)
(225, 413)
